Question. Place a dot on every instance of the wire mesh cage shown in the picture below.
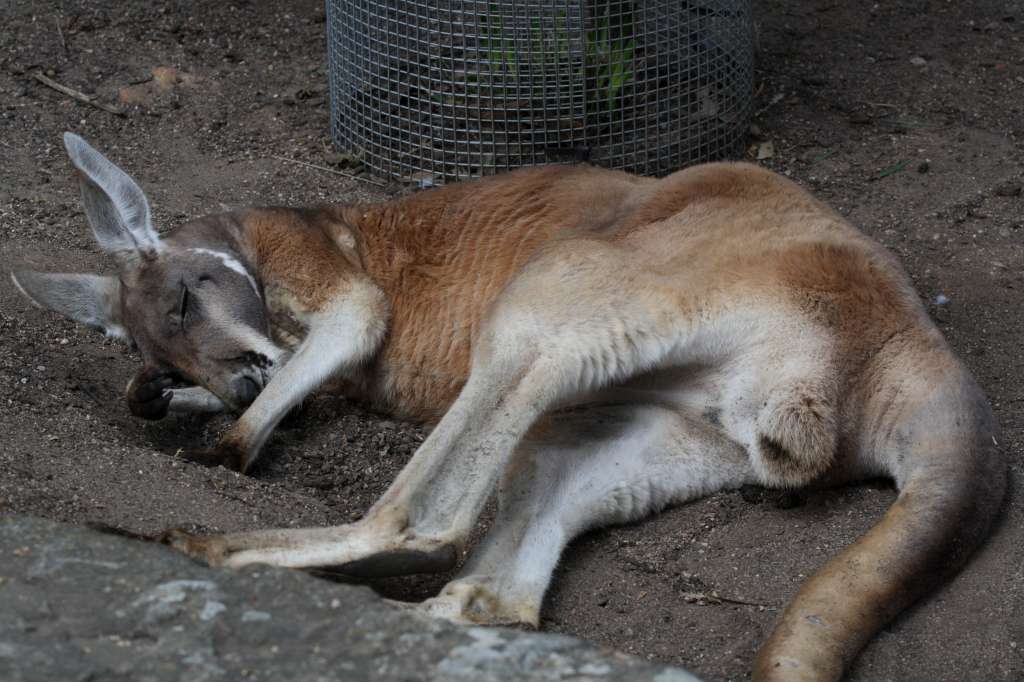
(435, 91)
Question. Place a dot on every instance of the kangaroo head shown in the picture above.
(192, 308)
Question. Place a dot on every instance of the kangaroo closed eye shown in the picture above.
(183, 302)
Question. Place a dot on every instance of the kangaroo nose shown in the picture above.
(246, 390)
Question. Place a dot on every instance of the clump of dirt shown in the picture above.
(905, 116)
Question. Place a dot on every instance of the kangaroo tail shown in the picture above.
(952, 480)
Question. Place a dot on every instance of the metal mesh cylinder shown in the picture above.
(435, 91)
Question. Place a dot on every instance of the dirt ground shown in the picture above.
(908, 116)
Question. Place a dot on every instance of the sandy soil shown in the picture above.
(907, 115)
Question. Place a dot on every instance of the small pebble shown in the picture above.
(941, 299)
(342, 159)
(1009, 189)
(918, 61)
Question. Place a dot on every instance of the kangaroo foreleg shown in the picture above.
(340, 339)
(424, 518)
(195, 400)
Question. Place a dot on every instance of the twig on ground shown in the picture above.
(776, 98)
(325, 169)
(63, 43)
(76, 94)
(715, 598)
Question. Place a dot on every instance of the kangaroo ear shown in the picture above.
(115, 206)
(89, 299)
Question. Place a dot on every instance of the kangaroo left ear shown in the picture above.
(115, 205)
(90, 299)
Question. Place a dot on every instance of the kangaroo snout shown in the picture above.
(246, 389)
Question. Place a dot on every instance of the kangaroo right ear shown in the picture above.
(89, 299)
(115, 206)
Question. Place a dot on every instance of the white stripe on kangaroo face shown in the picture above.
(231, 263)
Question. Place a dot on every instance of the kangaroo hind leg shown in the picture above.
(576, 471)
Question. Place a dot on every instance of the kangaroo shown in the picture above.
(592, 344)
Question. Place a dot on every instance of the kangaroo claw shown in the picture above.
(210, 549)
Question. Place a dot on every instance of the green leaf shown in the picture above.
(895, 168)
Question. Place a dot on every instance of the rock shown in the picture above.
(1009, 189)
(918, 61)
(343, 159)
(422, 179)
(765, 150)
(815, 80)
(165, 79)
(76, 604)
(135, 94)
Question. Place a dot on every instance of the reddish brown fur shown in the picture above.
(443, 256)
(293, 250)
(427, 251)
(441, 278)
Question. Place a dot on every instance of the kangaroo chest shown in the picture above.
(425, 358)
(289, 321)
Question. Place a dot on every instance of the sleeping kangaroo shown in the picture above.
(594, 345)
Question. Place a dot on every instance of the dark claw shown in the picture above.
(121, 532)
(152, 410)
(150, 385)
(148, 395)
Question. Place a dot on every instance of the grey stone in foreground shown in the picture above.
(79, 605)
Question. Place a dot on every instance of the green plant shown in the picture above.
(610, 51)
(608, 66)
(497, 44)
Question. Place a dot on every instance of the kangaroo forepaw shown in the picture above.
(149, 395)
